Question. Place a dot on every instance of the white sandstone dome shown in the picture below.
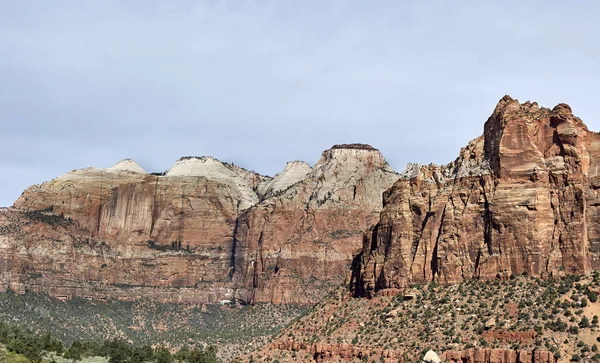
(126, 165)
(293, 172)
(210, 168)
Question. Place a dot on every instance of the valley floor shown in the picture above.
(233, 330)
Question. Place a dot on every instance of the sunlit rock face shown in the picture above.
(190, 234)
(120, 232)
(295, 245)
(522, 198)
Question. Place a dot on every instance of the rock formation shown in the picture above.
(431, 357)
(294, 172)
(498, 355)
(178, 236)
(244, 184)
(522, 198)
(347, 352)
(293, 246)
(124, 233)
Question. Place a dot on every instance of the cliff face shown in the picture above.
(489, 355)
(120, 232)
(522, 198)
(292, 246)
(192, 233)
(344, 352)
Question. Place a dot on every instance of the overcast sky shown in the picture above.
(258, 83)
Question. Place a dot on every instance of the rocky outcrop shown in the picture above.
(431, 357)
(293, 172)
(178, 236)
(498, 355)
(321, 352)
(347, 352)
(245, 185)
(522, 198)
(294, 246)
(120, 232)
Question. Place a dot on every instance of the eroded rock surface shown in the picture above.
(498, 355)
(120, 232)
(178, 236)
(345, 352)
(293, 246)
(522, 198)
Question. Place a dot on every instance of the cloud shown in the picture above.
(263, 82)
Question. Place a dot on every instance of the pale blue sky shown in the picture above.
(258, 83)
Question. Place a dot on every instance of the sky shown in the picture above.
(260, 83)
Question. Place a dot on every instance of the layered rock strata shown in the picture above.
(178, 236)
(347, 352)
(522, 198)
(120, 232)
(498, 355)
(293, 246)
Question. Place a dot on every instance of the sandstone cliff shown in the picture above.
(345, 352)
(178, 236)
(522, 198)
(295, 245)
(499, 355)
(120, 232)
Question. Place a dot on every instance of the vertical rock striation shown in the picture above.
(292, 246)
(522, 198)
(201, 232)
(120, 232)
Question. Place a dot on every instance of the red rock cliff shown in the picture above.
(293, 246)
(522, 198)
(123, 233)
(120, 232)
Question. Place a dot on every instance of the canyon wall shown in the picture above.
(521, 199)
(121, 233)
(294, 246)
(192, 233)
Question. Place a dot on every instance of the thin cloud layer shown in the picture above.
(259, 83)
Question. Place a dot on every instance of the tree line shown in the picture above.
(34, 346)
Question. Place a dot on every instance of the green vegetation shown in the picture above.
(28, 346)
(47, 216)
(233, 329)
(559, 315)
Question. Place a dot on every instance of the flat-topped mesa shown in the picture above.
(344, 174)
(291, 246)
(364, 155)
(522, 198)
(354, 146)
